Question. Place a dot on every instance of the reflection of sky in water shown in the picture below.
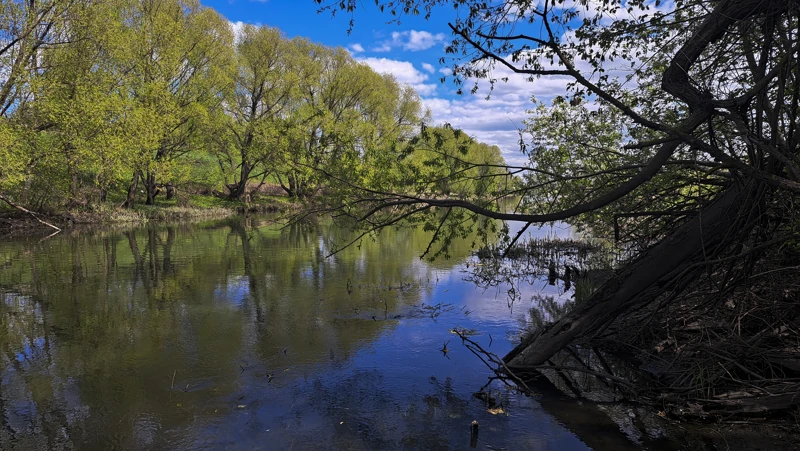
(554, 230)
(210, 353)
(233, 292)
(400, 389)
(396, 390)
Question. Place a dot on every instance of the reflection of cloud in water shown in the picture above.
(495, 298)
(234, 291)
(554, 230)
(264, 343)
(492, 304)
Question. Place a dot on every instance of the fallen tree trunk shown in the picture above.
(669, 265)
(25, 210)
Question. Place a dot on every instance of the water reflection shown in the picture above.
(241, 334)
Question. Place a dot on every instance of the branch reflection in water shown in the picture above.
(241, 334)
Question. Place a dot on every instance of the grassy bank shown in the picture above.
(195, 207)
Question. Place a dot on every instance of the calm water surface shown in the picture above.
(242, 335)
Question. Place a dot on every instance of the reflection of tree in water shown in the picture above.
(574, 267)
(94, 326)
(38, 419)
(545, 309)
(302, 300)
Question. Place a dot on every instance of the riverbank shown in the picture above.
(725, 359)
(197, 207)
(711, 357)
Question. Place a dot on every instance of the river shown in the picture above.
(242, 334)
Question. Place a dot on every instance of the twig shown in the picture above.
(50, 236)
(501, 367)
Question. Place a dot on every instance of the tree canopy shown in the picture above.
(686, 95)
(127, 100)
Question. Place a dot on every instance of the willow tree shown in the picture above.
(452, 163)
(702, 103)
(26, 30)
(264, 85)
(342, 113)
(79, 97)
(176, 72)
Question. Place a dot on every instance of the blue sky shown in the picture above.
(410, 50)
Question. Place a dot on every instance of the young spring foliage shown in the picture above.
(127, 100)
(663, 103)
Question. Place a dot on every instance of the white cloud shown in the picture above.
(238, 28)
(381, 48)
(418, 40)
(404, 71)
(495, 120)
(411, 40)
(356, 48)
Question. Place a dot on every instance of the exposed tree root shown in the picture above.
(667, 265)
(704, 326)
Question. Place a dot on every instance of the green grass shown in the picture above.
(197, 207)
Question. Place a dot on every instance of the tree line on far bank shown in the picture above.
(129, 100)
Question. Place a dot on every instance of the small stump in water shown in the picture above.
(473, 434)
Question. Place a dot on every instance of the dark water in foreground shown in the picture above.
(243, 336)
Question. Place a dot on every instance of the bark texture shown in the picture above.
(673, 261)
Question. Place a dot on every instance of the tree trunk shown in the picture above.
(237, 190)
(287, 189)
(74, 185)
(130, 200)
(297, 186)
(662, 268)
(150, 188)
(26, 189)
(170, 192)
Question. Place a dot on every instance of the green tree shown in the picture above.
(450, 163)
(177, 62)
(153, 94)
(26, 28)
(344, 116)
(579, 152)
(79, 97)
(265, 84)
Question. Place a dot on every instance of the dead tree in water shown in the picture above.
(669, 265)
(726, 222)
